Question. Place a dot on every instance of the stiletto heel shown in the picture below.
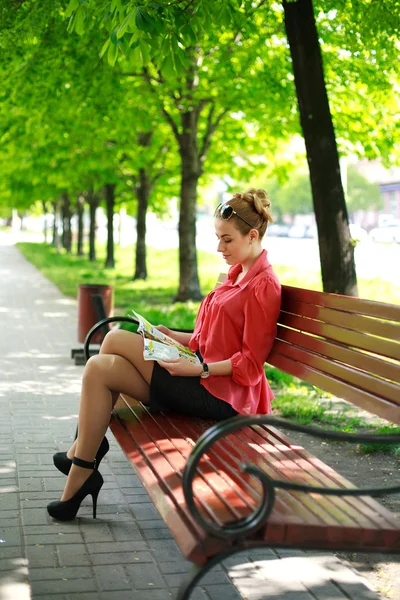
(66, 510)
(63, 463)
(94, 499)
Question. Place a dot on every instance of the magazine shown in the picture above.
(158, 346)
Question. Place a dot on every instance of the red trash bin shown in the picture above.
(87, 316)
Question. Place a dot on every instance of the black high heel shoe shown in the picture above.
(66, 510)
(63, 463)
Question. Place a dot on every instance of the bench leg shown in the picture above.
(197, 572)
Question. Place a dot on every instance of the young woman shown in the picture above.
(235, 329)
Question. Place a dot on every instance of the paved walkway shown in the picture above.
(127, 553)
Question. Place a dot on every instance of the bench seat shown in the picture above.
(158, 446)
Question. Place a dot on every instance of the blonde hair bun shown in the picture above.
(259, 201)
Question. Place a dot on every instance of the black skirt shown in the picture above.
(185, 395)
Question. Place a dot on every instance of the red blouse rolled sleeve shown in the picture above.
(261, 313)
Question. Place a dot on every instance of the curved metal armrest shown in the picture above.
(101, 324)
(254, 521)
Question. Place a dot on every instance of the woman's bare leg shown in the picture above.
(119, 367)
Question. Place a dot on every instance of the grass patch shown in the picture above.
(307, 407)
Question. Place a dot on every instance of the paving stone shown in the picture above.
(60, 586)
(57, 538)
(41, 556)
(126, 531)
(211, 578)
(72, 554)
(108, 547)
(112, 577)
(9, 518)
(227, 592)
(12, 564)
(11, 551)
(145, 513)
(11, 536)
(176, 566)
(40, 574)
(118, 558)
(34, 516)
(96, 532)
(145, 576)
(165, 550)
(8, 500)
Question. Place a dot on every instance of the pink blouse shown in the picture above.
(237, 321)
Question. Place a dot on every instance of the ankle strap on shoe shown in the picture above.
(84, 463)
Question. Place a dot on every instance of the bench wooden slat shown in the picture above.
(212, 471)
(351, 338)
(170, 464)
(344, 511)
(285, 505)
(363, 381)
(326, 476)
(354, 322)
(345, 303)
(366, 362)
(374, 404)
(288, 503)
(160, 444)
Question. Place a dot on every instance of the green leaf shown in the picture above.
(123, 28)
(72, 6)
(112, 54)
(105, 47)
(113, 36)
(168, 66)
(144, 52)
(144, 22)
(188, 33)
(80, 20)
(134, 43)
(224, 16)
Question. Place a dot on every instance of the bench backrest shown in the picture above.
(347, 346)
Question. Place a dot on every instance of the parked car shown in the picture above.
(298, 231)
(278, 230)
(303, 231)
(390, 233)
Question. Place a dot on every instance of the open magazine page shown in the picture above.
(158, 346)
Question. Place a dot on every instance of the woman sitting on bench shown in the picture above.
(234, 332)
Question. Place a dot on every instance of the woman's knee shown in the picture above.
(96, 366)
(112, 341)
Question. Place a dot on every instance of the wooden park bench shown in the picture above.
(225, 487)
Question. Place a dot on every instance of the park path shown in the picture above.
(127, 553)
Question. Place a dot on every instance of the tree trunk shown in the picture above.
(189, 285)
(93, 205)
(66, 222)
(45, 229)
(110, 199)
(56, 236)
(335, 247)
(143, 194)
(80, 202)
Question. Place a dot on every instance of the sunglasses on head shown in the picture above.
(225, 211)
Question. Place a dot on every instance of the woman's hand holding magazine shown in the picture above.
(159, 346)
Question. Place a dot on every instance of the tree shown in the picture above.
(336, 250)
(166, 31)
(197, 91)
